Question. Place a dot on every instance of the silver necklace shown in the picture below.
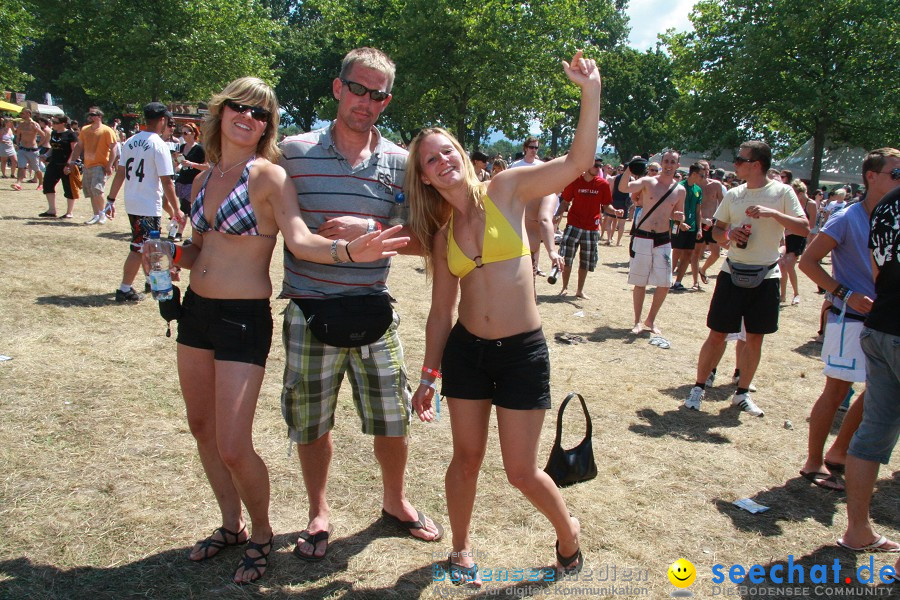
(222, 173)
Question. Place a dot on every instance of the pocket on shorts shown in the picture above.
(866, 332)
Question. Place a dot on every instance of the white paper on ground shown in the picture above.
(750, 506)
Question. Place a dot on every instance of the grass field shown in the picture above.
(102, 491)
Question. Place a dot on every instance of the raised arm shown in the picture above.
(550, 177)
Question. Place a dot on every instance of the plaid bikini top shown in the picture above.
(235, 215)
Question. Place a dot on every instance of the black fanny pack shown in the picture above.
(748, 276)
(659, 237)
(348, 321)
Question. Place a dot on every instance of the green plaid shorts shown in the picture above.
(314, 371)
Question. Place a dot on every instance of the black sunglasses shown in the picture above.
(359, 89)
(93, 115)
(257, 112)
(741, 160)
(894, 173)
(532, 147)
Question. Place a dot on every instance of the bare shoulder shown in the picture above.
(265, 170)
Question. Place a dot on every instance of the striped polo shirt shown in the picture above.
(327, 187)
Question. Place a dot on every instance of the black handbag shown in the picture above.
(567, 467)
(348, 321)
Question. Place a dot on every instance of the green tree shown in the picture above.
(785, 70)
(638, 93)
(17, 27)
(170, 50)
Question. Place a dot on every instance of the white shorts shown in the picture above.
(650, 266)
(740, 336)
(841, 351)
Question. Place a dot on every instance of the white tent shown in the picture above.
(45, 110)
(840, 164)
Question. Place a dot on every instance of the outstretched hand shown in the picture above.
(376, 245)
(582, 71)
(421, 403)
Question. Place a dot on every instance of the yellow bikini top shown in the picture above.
(501, 242)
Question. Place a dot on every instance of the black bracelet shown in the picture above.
(110, 199)
(840, 291)
(347, 248)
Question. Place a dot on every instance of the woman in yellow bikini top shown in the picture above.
(496, 354)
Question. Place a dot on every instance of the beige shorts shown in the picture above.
(93, 180)
(650, 265)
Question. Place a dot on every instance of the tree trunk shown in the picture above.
(554, 140)
(818, 151)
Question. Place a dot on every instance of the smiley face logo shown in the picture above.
(682, 573)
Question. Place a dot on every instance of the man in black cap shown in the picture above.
(145, 167)
(479, 160)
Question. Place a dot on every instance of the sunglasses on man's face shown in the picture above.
(532, 147)
(93, 115)
(358, 89)
(894, 173)
(257, 112)
(741, 160)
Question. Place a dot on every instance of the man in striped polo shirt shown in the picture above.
(347, 178)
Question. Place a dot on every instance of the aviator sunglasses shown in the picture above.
(359, 89)
(257, 112)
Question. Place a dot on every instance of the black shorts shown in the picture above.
(513, 372)
(141, 226)
(794, 244)
(684, 240)
(707, 237)
(758, 306)
(53, 175)
(235, 330)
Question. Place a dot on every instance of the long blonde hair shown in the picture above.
(428, 211)
(246, 90)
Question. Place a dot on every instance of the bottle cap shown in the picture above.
(399, 198)
(154, 234)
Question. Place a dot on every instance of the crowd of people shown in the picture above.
(480, 223)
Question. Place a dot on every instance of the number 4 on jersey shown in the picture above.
(139, 172)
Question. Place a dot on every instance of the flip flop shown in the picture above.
(836, 468)
(664, 344)
(704, 278)
(875, 546)
(47, 213)
(460, 575)
(313, 539)
(408, 526)
(820, 479)
(656, 340)
(566, 561)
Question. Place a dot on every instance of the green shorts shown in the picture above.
(314, 371)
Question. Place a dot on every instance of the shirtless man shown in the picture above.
(539, 214)
(713, 190)
(26, 145)
(652, 246)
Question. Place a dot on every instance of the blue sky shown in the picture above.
(650, 17)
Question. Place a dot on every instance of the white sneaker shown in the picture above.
(710, 380)
(746, 404)
(735, 380)
(101, 218)
(693, 401)
(92, 220)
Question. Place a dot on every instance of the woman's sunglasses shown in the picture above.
(257, 112)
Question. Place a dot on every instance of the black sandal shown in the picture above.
(252, 562)
(313, 540)
(460, 575)
(218, 545)
(566, 561)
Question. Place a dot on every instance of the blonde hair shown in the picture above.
(838, 193)
(428, 211)
(798, 186)
(372, 58)
(246, 90)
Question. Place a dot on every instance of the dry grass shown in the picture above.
(102, 493)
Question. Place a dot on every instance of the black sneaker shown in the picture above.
(146, 287)
(129, 296)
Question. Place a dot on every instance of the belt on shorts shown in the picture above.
(659, 238)
(847, 315)
(27, 149)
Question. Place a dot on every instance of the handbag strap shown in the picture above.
(650, 212)
(559, 418)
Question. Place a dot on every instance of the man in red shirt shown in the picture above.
(585, 199)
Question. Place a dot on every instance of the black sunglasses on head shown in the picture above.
(358, 89)
(257, 112)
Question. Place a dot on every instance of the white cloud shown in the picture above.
(651, 17)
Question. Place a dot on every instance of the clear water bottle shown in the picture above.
(554, 273)
(173, 229)
(399, 210)
(160, 264)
